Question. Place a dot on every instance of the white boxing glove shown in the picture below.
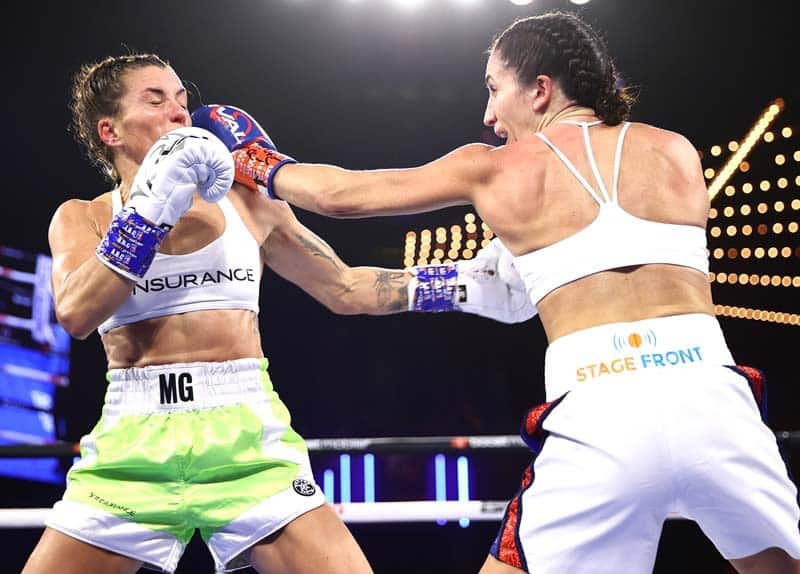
(180, 163)
(487, 285)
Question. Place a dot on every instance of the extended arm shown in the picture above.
(451, 180)
(297, 254)
(487, 285)
(337, 192)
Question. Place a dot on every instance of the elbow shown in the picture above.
(345, 298)
(74, 323)
(336, 204)
(345, 305)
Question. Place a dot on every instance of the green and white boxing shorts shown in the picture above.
(181, 447)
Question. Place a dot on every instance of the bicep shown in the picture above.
(73, 239)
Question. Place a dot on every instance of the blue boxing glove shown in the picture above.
(255, 157)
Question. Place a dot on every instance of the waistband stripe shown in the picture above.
(186, 386)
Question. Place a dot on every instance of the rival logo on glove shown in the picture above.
(239, 125)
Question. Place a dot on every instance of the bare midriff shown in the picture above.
(623, 295)
(198, 336)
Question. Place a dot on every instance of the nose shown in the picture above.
(179, 115)
(489, 119)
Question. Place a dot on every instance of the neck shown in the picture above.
(124, 191)
(569, 112)
(126, 169)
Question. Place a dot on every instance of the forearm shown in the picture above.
(88, 295)
(323, 189)
(297, 254)
(374, 291)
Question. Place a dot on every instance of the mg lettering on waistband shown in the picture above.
(174, 388)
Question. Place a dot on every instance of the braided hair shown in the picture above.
(564, 47)
(97, 89)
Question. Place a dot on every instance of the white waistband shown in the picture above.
(618, 350)
(185, 386)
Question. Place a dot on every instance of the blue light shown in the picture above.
(463, 485)
(441, 477)
(369, 478)
(344, 477)
(327, 485)
(441, 481)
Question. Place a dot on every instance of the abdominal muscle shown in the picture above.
(197, 336)
(624, 295)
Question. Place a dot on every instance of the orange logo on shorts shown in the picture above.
(634, 340)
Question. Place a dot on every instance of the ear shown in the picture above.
(541, 92)
(107, 132)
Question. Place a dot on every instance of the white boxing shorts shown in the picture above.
(646, 420)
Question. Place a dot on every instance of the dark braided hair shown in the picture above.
(564, 47)
(97, 89)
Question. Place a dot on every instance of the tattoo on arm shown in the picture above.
(391, 288)
(319, 248)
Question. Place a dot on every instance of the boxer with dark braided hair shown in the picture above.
(647, 413)
(571, 52)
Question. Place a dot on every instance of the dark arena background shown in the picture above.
(391, 83)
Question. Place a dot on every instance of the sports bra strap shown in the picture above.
(618, 161)
(602, 196)
(593, 163)
(116, 201)
(570, 167)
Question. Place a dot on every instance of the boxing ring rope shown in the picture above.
(351, 512)
(407, 444)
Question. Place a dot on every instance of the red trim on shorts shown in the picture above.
(508, 548)
(757, 381)
(532, 432)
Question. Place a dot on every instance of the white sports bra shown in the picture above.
(225, 274)
(614, 239)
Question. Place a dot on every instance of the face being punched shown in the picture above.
(509, 109)
(154, 103)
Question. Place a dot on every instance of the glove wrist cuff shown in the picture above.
(259, 164)
(130, 244)
(435, 288)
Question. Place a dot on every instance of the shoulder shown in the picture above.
(524, 154)
(475, 156)
(96, 211)
(662, 138)
(481, 163)
(78, 222)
